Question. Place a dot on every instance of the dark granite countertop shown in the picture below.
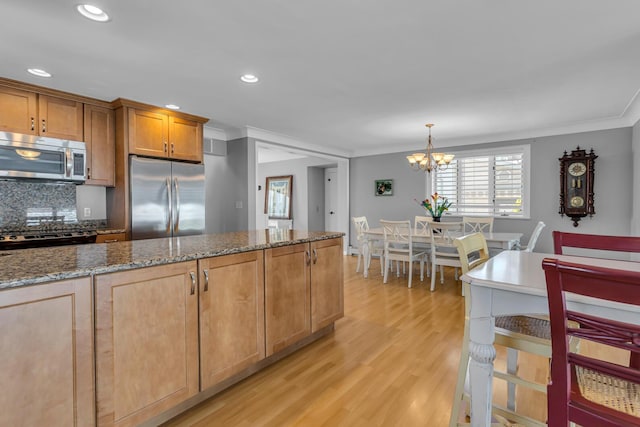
(31, 266)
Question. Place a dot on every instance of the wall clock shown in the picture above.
(576, 184)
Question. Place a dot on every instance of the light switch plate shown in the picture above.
(87, 212)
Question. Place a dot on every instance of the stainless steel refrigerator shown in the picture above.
(167, 198)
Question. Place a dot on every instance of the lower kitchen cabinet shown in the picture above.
(231, 315)
(287, 296)
(327, 296)
(47, 372)
(146, 342)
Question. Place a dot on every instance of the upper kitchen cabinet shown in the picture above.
(99, 136)
(28, 112)
(18, 110)
(155, 132)
(60, 118)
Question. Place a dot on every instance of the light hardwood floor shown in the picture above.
(391, 361)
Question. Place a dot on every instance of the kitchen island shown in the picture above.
(174, 321)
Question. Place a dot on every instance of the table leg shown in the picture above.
(482, 354)
(366, 255)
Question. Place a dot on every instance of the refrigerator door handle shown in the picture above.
(169, 219)
(176, 224)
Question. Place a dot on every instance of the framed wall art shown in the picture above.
(384, 187)
(277, 197)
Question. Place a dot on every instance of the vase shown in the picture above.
(436, 218)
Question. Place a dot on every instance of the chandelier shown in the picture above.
(429, 161)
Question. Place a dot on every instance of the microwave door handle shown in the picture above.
(176, 225)
(169, 219)
(68, 163)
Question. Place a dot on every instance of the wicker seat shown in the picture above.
(517, 333)
(585, 389)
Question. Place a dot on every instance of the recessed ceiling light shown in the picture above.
(249, 78)
(38, 72)
(92, 12)
(172, 106)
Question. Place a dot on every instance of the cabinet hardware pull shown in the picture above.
(88, 173)
(33, 123)
(315, 256)
(110, 240)
(170, 217)
(308, 255)
(44, 126)
(193, 282)
(173, 148)
(206, 280)
(165, 146)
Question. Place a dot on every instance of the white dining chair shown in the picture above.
(398, 246)
(443, 249)
(375, 247)
(477, 224)
(534, 237)
(421, 228)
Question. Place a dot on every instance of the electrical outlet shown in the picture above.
(87, 212)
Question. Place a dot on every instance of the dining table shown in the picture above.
(496, 241)
(513, 282)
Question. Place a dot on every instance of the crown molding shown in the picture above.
(214, 133)
(286, 141)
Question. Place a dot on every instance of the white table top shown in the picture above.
(521, 272)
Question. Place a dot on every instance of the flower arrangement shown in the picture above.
(436, 205)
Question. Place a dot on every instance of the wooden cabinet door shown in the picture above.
(99, 136)
(148, 133)
(185, 137)
(327, 283)
(60, 118)
(47, 355)
(287, 296)
(146, 342)
(231, 315)
(18, 111)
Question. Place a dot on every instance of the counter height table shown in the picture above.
(513, 282)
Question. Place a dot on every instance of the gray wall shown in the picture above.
(226, 195)
(299, 197)
(635, 146)
(613, 185)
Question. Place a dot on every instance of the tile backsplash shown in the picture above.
(33, 206)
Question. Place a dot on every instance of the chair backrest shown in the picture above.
(470, 244)
(421, 225)
(534, 237)
(361, 225)
(594, 241)
(571, 373)
(444, 233)
(397, 235)
(474, 224)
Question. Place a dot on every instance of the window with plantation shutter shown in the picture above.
(488, 183)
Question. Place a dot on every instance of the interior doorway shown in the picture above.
(331, 199)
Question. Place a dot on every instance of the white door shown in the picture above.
(331, 199)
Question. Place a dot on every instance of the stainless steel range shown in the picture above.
(46, 238)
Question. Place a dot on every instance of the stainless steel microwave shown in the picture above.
(36, 157)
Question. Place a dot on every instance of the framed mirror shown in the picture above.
(277, 197)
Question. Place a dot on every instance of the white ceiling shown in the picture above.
(348, 77)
